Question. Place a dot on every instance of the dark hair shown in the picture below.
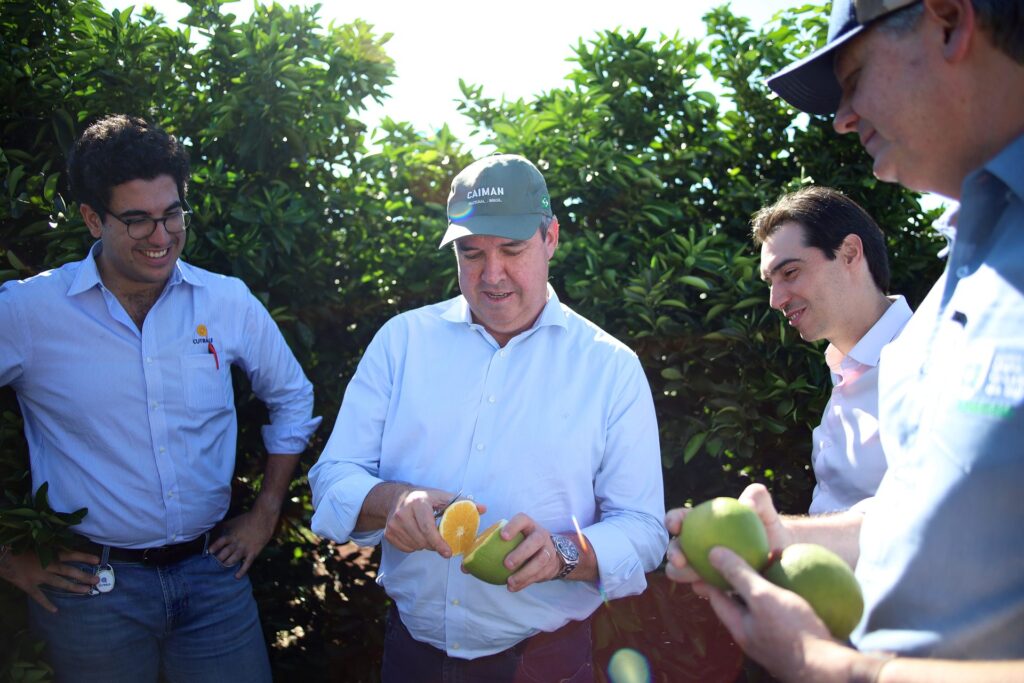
(1003, 20)
(117, 149)
(826, 217)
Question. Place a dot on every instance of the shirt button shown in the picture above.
(491, 399)
(154, 404)
(502, 353)
(455, 602)
(149, 360)
(455, 646)
(479, 446)
(962, 271)
(163, 450)
(170, 494)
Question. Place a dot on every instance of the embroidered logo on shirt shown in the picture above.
(204, 335)
(993, 383)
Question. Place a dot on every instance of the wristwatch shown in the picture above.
(568, 552)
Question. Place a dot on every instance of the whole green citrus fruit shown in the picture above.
(726, 522)
(485, 559)
(823, 579)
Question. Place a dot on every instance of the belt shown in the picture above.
(157, 557)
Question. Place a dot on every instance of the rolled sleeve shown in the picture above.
(349, 466)
(630, 538)
(288, 439)
(278, 380)
(15, 346)
(340, 500)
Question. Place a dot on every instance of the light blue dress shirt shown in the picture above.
(559, 422)
(942, 548)
(140, 427)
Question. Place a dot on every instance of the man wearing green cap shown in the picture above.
(934, 89)
(508, 397)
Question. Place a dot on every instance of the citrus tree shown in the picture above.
(656, 150)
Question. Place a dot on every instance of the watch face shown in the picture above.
(567, 549)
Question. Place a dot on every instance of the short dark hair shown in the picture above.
(1002, 19)
(117, 149)
(826, 217)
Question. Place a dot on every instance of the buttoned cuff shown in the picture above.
(337, 513)
(289, 439)
(619, 568)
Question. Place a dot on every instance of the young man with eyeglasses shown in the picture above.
(122, 366)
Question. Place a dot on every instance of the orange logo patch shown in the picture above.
(201, 330)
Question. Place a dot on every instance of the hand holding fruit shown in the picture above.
(811, 571)
(411, 524)
(755, 497)
(774, 626)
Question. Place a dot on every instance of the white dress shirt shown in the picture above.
(847, 454)
(558, 423)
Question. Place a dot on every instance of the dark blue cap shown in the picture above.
(810, 84)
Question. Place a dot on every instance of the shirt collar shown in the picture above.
(88, 275)
(867, 350)
(1007, 167)
(552, 313)
(945, 225)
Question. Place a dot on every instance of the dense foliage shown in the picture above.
(654, 174)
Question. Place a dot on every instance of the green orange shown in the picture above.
(824, 580)
(725, 522)
(485, 559)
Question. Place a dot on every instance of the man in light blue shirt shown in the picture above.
(934, 89)
(121, 364)
(508, 396)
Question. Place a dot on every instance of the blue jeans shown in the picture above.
(188, 621)
(564, 655)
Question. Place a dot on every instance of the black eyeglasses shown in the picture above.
(140, 228)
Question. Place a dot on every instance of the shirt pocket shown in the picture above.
(207, 387)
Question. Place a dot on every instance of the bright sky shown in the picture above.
(517, 49)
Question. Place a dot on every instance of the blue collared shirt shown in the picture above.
(139, 427)
(559, 422)
(942, 548)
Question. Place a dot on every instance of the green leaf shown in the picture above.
(693, 445)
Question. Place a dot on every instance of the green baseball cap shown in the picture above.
(503, 195)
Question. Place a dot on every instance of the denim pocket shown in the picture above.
(567, 659)
(221, 564)
(55, 592)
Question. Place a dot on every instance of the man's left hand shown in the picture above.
(535, 559)
(774, 626)
(242, 538)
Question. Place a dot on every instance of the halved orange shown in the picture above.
(459, 524)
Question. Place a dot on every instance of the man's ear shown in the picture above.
(92, 220)
(851, 250)
(958, 21)
(551, 241)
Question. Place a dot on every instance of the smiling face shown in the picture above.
(806, 286)
(896, 104)
(505, 281)
(128, 265)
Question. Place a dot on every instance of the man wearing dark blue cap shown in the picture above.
(934, 89)
(507, 396)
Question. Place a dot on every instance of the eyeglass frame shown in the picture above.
(186, 216)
